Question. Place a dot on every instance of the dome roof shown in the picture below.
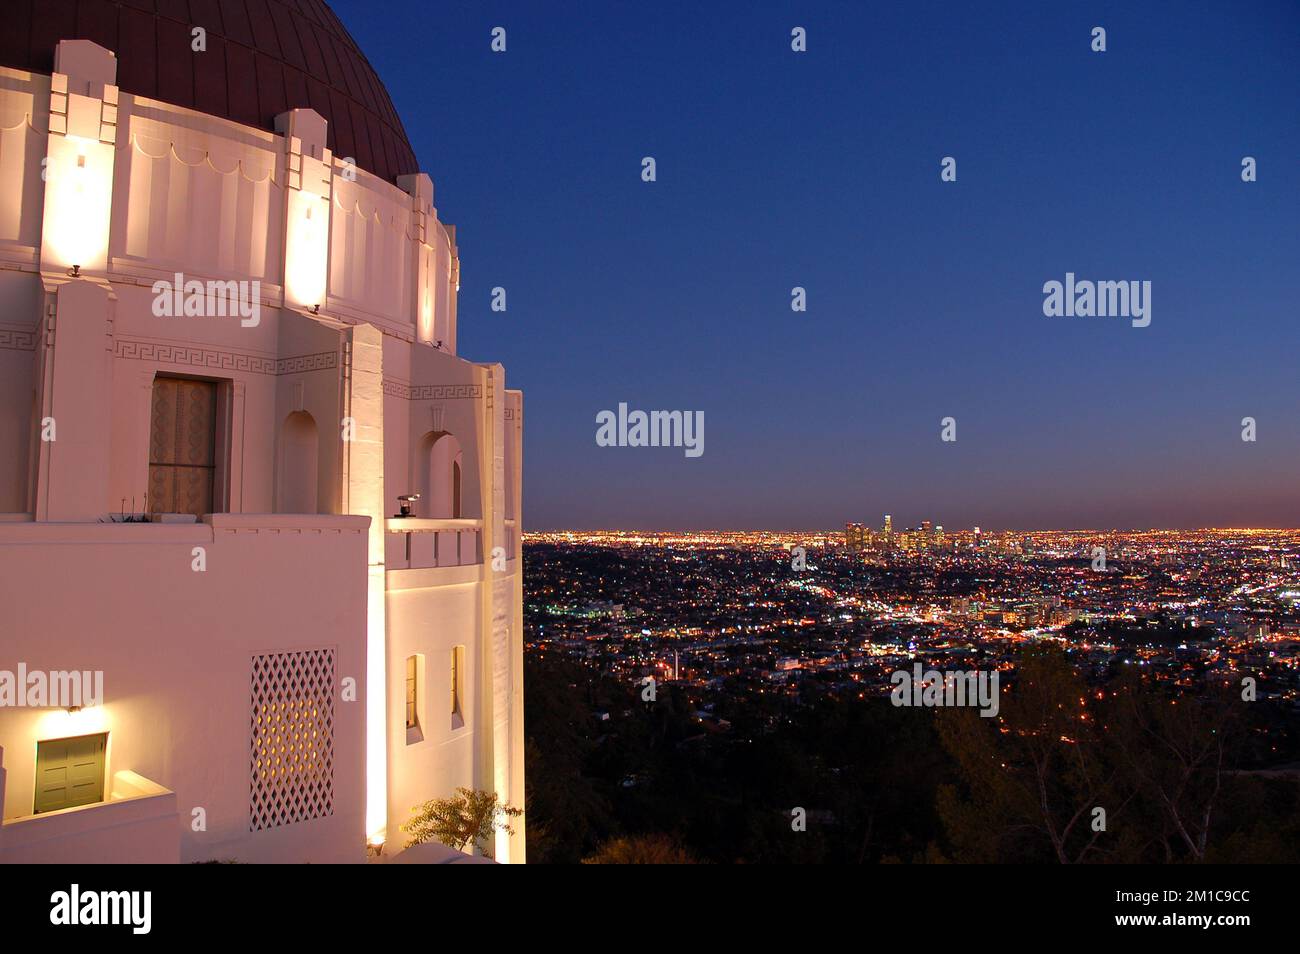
(263, 57)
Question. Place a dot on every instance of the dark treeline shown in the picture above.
(1178, 776)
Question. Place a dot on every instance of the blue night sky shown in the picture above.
(821, 169)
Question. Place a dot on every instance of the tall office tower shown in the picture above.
(224, 274)
(889, 530)
(938, 535)
(854, 536)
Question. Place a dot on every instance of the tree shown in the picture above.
(468, 817)
(1177, 750)
(642, 850)
(568, 816)
(1035, 773)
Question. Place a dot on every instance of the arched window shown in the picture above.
(295, 490)
(455, 487)
(439, 475)
(457, 687)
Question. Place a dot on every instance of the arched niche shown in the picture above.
(439, 475)
(296, 475)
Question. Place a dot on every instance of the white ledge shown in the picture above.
(430, 525)
(287, 521)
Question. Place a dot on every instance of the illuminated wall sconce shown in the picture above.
(424, 223)
(306, 249)
(309, 190)
(78, 198)
(80, 150)
(63, 722)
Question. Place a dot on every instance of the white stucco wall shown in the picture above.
(177, 673)
(196, 194)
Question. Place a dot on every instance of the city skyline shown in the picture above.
(986, 528)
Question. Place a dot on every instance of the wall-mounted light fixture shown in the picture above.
(306, 249)
(78, 198)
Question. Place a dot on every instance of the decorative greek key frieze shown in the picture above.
(432, 392)
(14, 339)
(195, 356)
(322, 361)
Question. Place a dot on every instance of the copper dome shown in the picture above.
(263, 57)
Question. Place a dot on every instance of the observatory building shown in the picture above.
(259, 521)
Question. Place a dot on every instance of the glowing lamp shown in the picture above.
(306, 249)
(78, 198)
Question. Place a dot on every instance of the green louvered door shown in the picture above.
(70, 772)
